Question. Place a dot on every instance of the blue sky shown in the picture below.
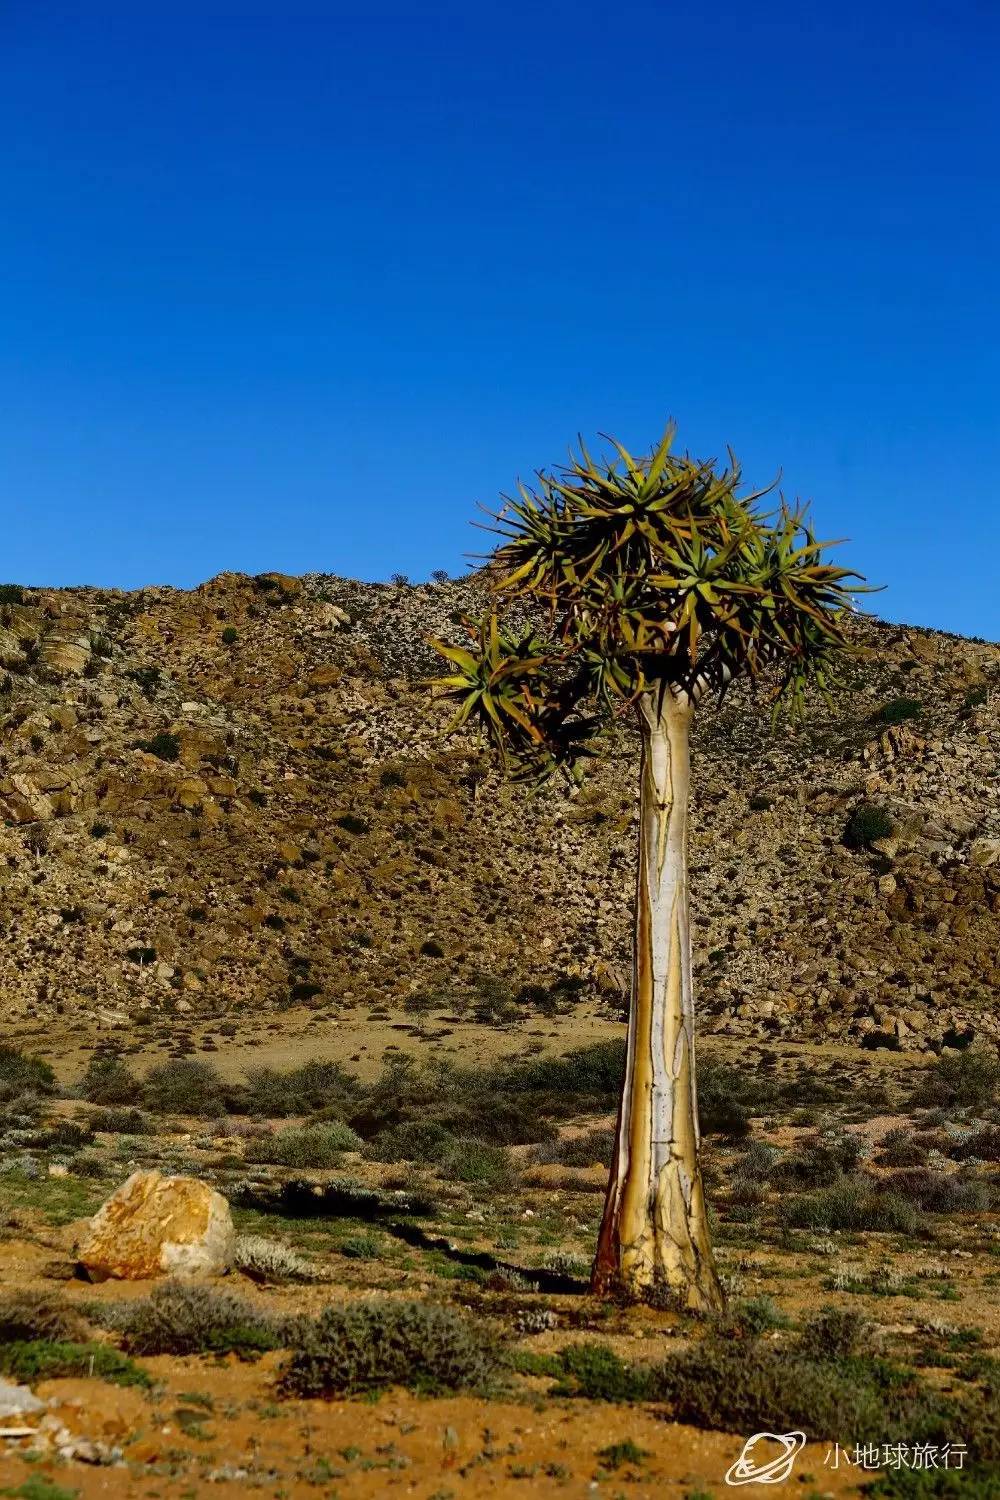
(294, 287)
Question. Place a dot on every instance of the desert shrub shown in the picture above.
(744, 1387)
(898, 710)
(577, 1151)
(751, 1316)
(181, 1318)
(568, 1263)
(107, 1079)
(312, 1146)
(901, 1148)
(66, 1135)
(413, 1140)
(370, 1345)
(230, 635)
(818, 1162)
(184, 1086)
(939, 1192)
(853, 1203)
(963, 1080)
(361, 1247)
(595, 1372)
(21, 1073)
(475, 1162)
(88, 1164)
(31, 1361)
(165, 746)
(313, 1086)
(867, 823)
(834, 1333)
(268, 1260)
(981, 1145)
(351, 823)
(122, 1122)
(30, 1316)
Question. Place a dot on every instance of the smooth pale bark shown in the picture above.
(655, 1229)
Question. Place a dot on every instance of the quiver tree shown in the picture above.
(645, 587)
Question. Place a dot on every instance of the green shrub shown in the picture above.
(230, 635)
(746, 1387)
(107, 1079)
(21, 1073)
(182, 1318)
(165, 746)
(578, 1150)
(32, 1361)
(122, 1122)
(962, 1080)
(595, 1372)
(834, 1333)
(853, 1203)
(867, 823)
(898, 710)
(475, 1162)
(413, 1140)
(818, 1162)
(361, 1247)
(625, 1452)
(316, 1085)
(940, 1192)
(312, 1146)
(27, 1317)
(901, 1148)
(351, 823)
(184, 1086)
(370, 1345)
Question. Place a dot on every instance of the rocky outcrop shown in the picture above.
(159, 1226)
(235, 799)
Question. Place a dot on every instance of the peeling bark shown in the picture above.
(655, 1228)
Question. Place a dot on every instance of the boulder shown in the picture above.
(18, 1401)
(159, 1226)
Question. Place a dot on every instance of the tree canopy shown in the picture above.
(646, 575)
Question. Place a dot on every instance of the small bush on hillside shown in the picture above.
(31, 1361)
(312, 1146)
(475, 1162)
(370, 1345)
(866, 824)
(898, 710)
(940, 1192)
(901, 1148)
(266, 1260)
(180, 1318)
(818, 1162)
(578, 1150)
(29, 1316)
(834, 1333)
(981, 1145)
(122, 1122)
(316, 1085)
(962, 1080)
(164, 746)
(749, 1387)
(184, 1086)
(108, 1080)
(414, 1140)
(21, 1073)
(855, 1203)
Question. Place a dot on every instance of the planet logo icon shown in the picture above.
(767, 1458)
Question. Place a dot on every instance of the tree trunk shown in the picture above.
(655, 1230)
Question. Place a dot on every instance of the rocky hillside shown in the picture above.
(236, 799)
